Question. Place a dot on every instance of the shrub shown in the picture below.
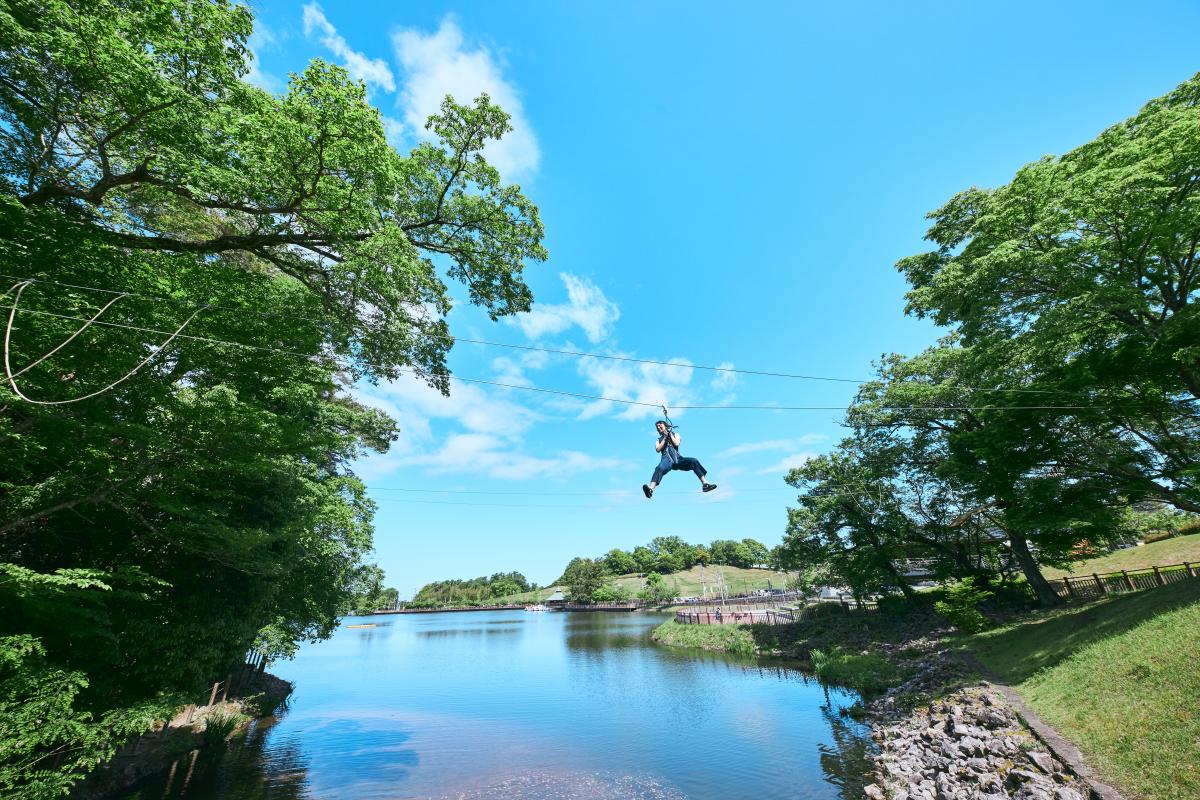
(864, 672)
(221, 722)
(960, 607)
(1157, 536)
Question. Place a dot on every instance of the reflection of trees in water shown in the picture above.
(250, 768)
(242, 770)
(846, 761)
(450, 633)
(599, 630)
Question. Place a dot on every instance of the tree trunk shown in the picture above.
(1020, 548)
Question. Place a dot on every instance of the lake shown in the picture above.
(512, 704)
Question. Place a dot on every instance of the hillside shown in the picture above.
(689, 583)
(1168, 551)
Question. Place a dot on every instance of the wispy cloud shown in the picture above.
(260, 41)
(772, 445)
(487, 435)
(372, 71)
(442, 63)
(655, 384)
(788, 464)
(723, 381)
(586, 307)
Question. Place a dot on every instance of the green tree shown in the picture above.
(757, 553)
(619, 562)
(206, 505)
(583, 577)
(645, 558)
(1075, 285)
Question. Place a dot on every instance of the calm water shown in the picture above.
(513, 704)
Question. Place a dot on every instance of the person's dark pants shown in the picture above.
(684, 463)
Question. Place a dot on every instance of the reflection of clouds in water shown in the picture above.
(571, 786)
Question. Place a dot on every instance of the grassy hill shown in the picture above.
(1168, 551)
(1120, 678)
(688, 583)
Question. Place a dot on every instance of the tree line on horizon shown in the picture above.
(1058, 414)
(484, 590)
(166, 510)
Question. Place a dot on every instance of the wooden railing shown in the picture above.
(1087, 587)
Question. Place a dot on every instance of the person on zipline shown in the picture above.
(668, 446)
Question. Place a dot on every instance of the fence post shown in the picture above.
(1158, 575)
(1067, 583)
(1190, 569)
(225, 692)
(1128, 581)
(212, 698)
(1100, 583)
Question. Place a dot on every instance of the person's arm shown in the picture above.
(660, 444)
(674, 438)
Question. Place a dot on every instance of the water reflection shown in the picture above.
(506, 705)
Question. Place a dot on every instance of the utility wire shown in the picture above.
(561, 392)
(533, 348)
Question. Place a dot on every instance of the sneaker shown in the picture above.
(708, 487)
(646, 490)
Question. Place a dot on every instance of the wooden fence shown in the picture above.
(1088, 587)
(783, 615)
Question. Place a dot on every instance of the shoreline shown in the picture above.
(942, 732)
(180, 739)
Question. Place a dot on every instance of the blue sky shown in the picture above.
(719, 186)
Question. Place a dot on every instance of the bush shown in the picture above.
(865, 672)
(960, 607)
(221, 722)
(1157, 536)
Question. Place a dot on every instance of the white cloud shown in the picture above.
(656, 384)
(788, 464)
(489, 439)
(724, 380)
(441, 64)
(511, 369)
(394, 131)
(586, 307)
(478, 453)
(262, 39)
(372, 71)
(772, 444)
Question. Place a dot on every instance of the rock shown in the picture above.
(874, 792)
(1043, 761)
(1065, 793)
(972, 745)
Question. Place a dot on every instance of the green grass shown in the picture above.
(1155, 554)
(735, 639)
(688, 583)
(1120, 677)
(864, 672)
(681, 584)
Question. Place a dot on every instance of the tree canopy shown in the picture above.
(1064, 393)
(153, 534)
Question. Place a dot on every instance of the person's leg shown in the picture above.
(664, 466)
(695, 466)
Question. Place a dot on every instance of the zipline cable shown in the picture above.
(12, 378)
(510, 346)
(578, 395)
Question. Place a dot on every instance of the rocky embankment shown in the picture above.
(176, 741)
(963, 744)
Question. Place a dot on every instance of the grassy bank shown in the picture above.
(1120, 677)
(1155, 554)
(735, 639)
(868, 651)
